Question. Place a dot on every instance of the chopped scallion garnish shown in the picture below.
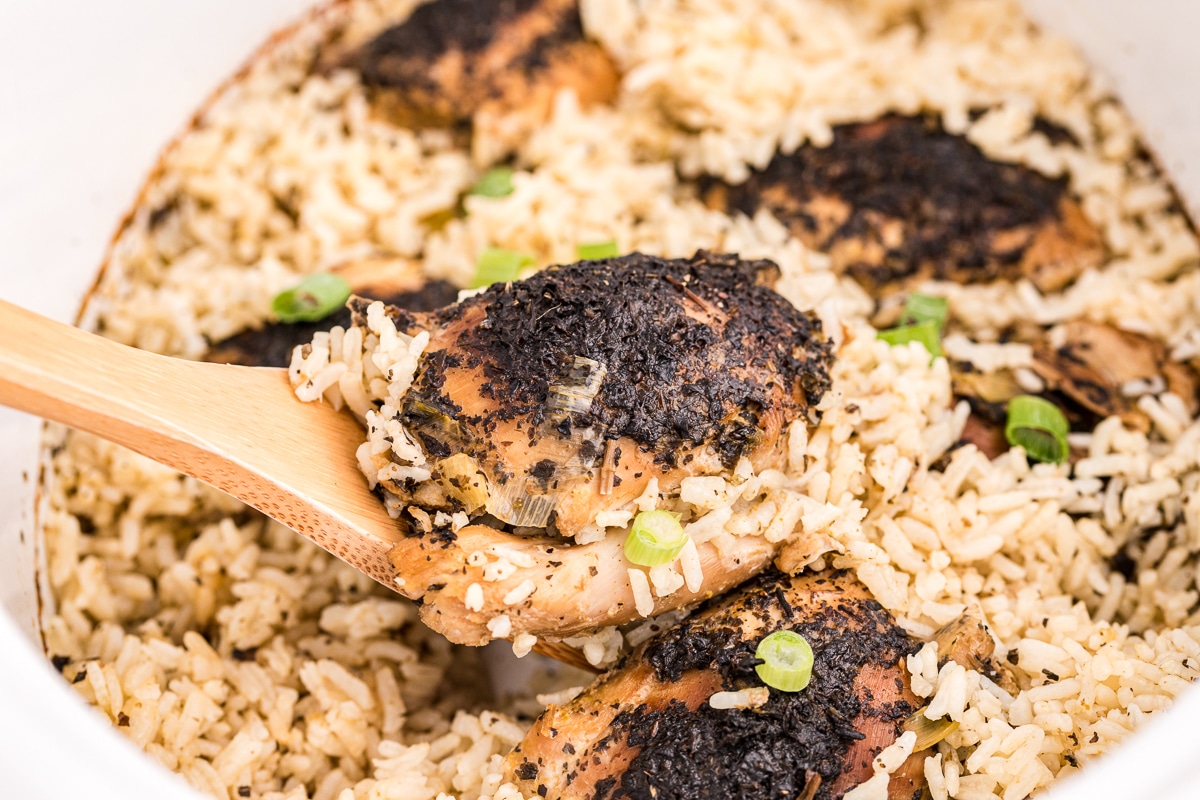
(926, 333)
(496, 182)
(920, 308)
(1039, 426)
(314, 299)
(655, 538)
(500, 266)
(597, 250)
(787, 661)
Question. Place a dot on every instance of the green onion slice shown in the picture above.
(315, 298)
(787, 661)
(496, 182)
(926, 333)
(655, 539)
(1038, 426)
(499, 266)
(920, 308)
(597, 250)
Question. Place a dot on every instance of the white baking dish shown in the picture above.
(92, 91)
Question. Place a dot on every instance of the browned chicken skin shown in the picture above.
(543, 402)
(1085, 366)
(1090, 362)
(452, 59)
(646, 729)
(967, 641)
(898, 201)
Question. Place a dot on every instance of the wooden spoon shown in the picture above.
(240, 429)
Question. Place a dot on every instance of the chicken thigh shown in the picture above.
(551, 408)
(652, 728)
(396, 281)
(497, 62)
(899, 201)
(1091, 370)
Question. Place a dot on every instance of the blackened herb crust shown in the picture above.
(449, 56)
(961, 216)
(272, 344)
(438, 27)
(695, 350)
(671, 744)
(764, 752)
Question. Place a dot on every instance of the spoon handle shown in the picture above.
(239, 429)
(125, 395)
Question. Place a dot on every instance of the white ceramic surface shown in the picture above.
(92, 90)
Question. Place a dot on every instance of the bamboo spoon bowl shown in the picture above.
(239, 429)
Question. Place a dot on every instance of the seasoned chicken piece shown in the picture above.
(1103, 369)
(899, 201)
(454, 59)
(570, 391)
(396, 281)
(988, 394)
(1091, 370)
(544, 403)
(571, 588)
(986, 433)
(647, 729)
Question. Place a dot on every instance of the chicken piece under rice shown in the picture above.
(899, 201)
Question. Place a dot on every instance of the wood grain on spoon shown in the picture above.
(240, 429)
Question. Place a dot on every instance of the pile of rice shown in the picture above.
(258, 666)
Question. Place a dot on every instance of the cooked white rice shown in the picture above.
(251, 662)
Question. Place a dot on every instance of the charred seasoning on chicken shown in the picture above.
(900, 200)
(685, 344)
(763, 752)
(816, 743)
(272, 344)
(452, 57)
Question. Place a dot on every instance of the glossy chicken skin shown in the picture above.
(688, 366)
(899, 201)
(453, 59)
(646, 729)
